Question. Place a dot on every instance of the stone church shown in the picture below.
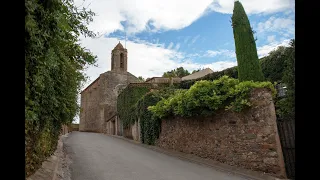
(99, 99)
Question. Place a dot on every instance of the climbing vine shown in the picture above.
(126, 103)
(150, 125)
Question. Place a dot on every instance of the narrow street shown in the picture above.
(99, 157)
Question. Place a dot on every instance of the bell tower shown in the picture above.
(119, 58)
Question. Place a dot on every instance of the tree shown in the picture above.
(179, 72)
(54, 61)
(194, 71)
(141, 79)
(286, 106)
(273, 65)
(245, 45)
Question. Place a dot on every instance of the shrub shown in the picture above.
(54, 62)
(205, 97)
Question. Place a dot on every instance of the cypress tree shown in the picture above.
(246, 51)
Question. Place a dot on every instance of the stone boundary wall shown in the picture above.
(248, 139)
(135, 131)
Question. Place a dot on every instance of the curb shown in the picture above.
(45, 172)
(59, 148)
(249, 174)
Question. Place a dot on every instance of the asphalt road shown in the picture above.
(99, 157)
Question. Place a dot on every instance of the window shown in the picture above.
(121, 61)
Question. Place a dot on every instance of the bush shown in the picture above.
(205, 97)
(54, 61)
(285, 107)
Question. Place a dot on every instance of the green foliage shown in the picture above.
(53, 63)
(205, 97)
(194, 71)
(141, 79)
(273, 65)
(150, 126)
(245, 45)
(231, 72)
(179, 72)
(126, 104)
(286, 106)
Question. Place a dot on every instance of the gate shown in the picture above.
(286, 128)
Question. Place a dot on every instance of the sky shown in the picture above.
(161, 35)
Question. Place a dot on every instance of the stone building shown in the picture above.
(98, 100)
(159, 80)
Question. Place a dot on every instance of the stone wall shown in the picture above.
(112, 126)
(64, 130)
(90, 109)
(113, 82)
(75, 127)
(99, 100)
(132, 132)
(127, 132)
(135, 131)
(248, 139)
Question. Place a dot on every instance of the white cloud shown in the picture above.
(211, 53)
(195, 39)
(154, 57)
(264, 50)
(177, 46)
(144, 59)
(157, 59)
(224, 52)
(156, 15)
(271, 38)
(273, 24)
(186, 39)
(170, 45)
(140, 14)
(221, 65)
(253, 6)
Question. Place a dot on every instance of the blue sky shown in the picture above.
(163, 35)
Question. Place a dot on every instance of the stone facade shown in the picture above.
(98, 100)
(135, 129)
(248, 139)
(64, 130)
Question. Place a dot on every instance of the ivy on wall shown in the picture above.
(203, 98)
(126, 103)
(150, 125)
